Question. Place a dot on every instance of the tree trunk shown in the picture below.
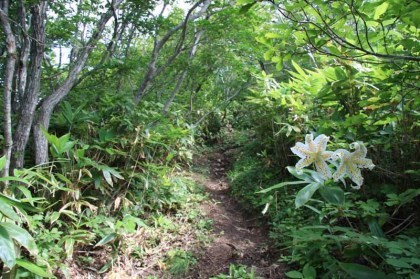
(8, 83)
(22, 66)
(32, 91)
(41, 143)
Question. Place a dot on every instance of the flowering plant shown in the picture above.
(329, 166)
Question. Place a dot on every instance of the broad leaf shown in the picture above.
(375, 228)
(358, 271)
(244, 2)
(294, 274)
(303, 174)
(333, 195)
(108, 238)
(12, 178)
(69, 247)
(106, 266)
(245, 8)
(399, 263)
(306, 193)
(7, 210)
(7, 248)
(108, 177)
(309, 272)
(21, 236)
(19, 205)
(35, 269)
(298, 69)
(380, 10)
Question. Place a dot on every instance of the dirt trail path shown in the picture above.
(238, 236)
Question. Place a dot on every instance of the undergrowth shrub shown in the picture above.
(113, 167)
(250, 174)
(336, 233)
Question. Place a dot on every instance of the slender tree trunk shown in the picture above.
(32, 91)
(22, 67)
(174, 92)
(148, 77)
(184, 72)
(41, 143)
(152, 70)
(8, 83)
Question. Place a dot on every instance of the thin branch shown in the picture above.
(366, 29)
(356, 21)
(329, 32)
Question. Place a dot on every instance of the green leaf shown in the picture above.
(334, 50)
(106, 239)
(272, 35)
(21, 236)
(53, 217)
(170, 156)
(69, 247)
(309, 272)
(7, 248)
(333, 195)
(108, 177)
(2, 162)
(106, 266)
(298, 69)
(35, 269)
(303, 175)
(399, 263)
(313, 209)
(380, 10)
(12, 178)
(245, 8)
(281, 185)
(306, 193)
(375, 229)
(358, 271)
(268, 54)
(244, 2)
(7, 210)
(294, 274)
(59, 145)
(17, 204)
(112, 171)
(27, 194)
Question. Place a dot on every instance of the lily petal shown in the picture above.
(300, 150)
(340, 172)
(323, 169)
(304, 162)
(321, 141)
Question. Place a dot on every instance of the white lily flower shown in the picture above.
(313, 152)
(352, 162)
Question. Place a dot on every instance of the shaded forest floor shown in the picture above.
(239, 237)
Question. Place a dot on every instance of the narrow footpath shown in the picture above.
(239, 237)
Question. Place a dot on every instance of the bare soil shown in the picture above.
(239, 237)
